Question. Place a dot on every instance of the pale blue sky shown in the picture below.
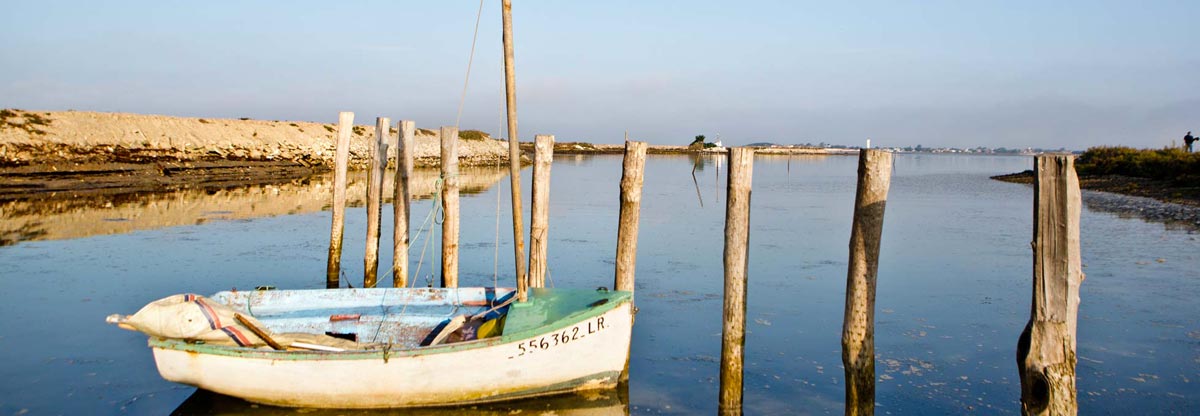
(939, 73)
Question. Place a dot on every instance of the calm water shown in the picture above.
(954, 288)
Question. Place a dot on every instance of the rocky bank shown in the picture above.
(1151, 200)
(65, 154)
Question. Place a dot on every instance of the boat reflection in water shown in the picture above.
(592, 403)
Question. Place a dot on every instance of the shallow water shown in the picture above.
(953, 295)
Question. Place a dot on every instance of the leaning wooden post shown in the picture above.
(450, 206)
(375, 168)
(400, 203)
(858, 326)
(341, 160)
(633, 167)
(737, 240)
(514, 149)
(539, 222)
(1046, 348)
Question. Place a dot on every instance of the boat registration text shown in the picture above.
(563, 337)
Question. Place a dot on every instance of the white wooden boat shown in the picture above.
(556, 341)
(561, 340)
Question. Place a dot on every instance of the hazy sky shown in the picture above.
(938, 73)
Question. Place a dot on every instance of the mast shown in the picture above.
(514, 152)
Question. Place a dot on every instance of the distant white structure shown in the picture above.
(718, 143)
(868, 143)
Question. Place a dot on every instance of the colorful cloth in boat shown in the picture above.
(193, 317)
(477, 329)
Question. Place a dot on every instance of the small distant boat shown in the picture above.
(560, 340)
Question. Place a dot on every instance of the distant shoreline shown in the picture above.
(585, 148)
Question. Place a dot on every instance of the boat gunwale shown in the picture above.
(616, 300)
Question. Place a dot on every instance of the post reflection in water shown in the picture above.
(954, 260)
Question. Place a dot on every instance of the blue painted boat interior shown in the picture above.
(402, 317)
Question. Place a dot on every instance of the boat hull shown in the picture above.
(584, 354)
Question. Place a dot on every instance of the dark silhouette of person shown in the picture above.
(1189, 140)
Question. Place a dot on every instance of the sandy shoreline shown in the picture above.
(69, 137)
(65, 154)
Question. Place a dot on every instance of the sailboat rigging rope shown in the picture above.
(427, 227)
(433, 216)
(470, 59)
(496, 245)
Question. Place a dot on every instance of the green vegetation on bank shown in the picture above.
(462, 134)
(472, 135)
(1172, 164)
(699, 143)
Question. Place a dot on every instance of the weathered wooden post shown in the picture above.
(539, 222)
(450, 206)
(341, 160)
(401, 200)
(858, 326)
(632, 167)
(737, 240)
(375, 168)
(514, 149)
(1046, 348)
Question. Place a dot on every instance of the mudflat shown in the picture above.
(1162, 190)
(1150, 199)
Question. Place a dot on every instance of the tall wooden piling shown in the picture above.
(1046, 348)
(858, 325)
(514, 149)
(539, 222)
(632, 170)
(375, 168)
(737, 240)
(450, 206)
(341, 161)
(401, 201)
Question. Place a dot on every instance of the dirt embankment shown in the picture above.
(41, 138)
(68, 152)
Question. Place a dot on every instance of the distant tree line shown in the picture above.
(699, 143)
